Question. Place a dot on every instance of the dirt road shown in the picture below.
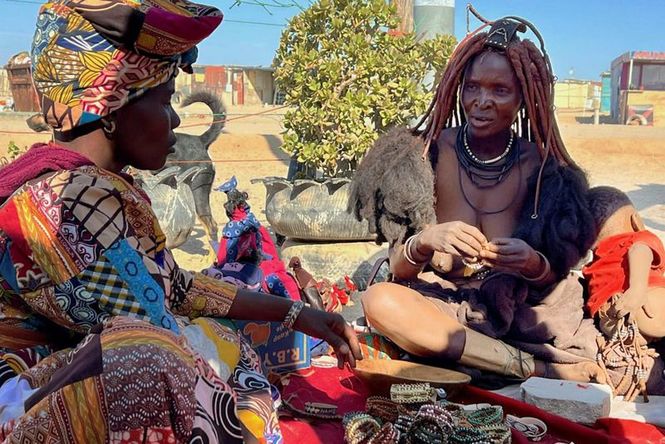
(630, 158)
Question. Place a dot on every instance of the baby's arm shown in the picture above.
(640, 258)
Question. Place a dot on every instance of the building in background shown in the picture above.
(6, 98)
(234, 85)
(24, 95)
(574, 94)
(638, 88)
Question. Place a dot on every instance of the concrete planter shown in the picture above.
(333, 261)
(311, 210)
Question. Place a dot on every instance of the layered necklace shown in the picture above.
(486, 173)
(490, 172)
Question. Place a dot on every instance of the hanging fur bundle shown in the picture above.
(393, 188)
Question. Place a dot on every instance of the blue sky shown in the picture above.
(582, 35)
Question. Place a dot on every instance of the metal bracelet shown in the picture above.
(407, 252)
(545, 272)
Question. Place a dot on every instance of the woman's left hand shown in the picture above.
(511, 255)
(333, 329)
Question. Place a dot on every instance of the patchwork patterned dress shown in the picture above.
(103, 338)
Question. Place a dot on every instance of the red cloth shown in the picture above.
(606, 430)
(39, 159)
(608, 274)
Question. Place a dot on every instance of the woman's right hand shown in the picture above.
(456, 238)
(333, 329)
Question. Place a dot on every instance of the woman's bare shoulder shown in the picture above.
(447, 138)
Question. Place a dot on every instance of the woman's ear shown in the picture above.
(636, 221)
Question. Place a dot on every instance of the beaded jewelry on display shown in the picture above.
(428, 422)
(388, 434)
(382, 408)
(411, 393)
(485, 416)
(359, 427)
(469, 435)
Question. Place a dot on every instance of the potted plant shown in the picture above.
(348, 76)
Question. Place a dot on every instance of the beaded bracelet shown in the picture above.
(403, 422)
(411, 393)
(382, 408)
(387, 434)
(469, 435)
(498, 434)
(360, 428)
(486, 416)
(292, 315)
(425, 431)
(437, 414)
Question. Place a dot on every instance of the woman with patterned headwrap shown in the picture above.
(103, 338)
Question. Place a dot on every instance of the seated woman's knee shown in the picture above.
(381, 301)
(146, 368)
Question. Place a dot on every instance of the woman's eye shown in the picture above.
(502, 90)
(471, 87)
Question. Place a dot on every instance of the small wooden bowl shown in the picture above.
(380, 374)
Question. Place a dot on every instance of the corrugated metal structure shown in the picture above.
(576, 94)
(20, 82)
(235, 85)
(638, 88)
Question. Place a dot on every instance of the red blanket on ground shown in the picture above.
(606, 431)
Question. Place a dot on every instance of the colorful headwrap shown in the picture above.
(91, 57)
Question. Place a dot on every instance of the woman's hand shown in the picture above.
(333, 329)
(456, 238)
(513, 256)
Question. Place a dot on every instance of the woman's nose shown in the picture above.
(484, 99)
(175, 119)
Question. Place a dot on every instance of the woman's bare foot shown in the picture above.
(585, 371)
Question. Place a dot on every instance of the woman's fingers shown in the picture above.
(345, 344)
(474, 232)
(352, 340)
(464, 248)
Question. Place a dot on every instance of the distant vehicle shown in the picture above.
(638, 88)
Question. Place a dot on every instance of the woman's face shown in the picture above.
(491, 95)
(144, 134)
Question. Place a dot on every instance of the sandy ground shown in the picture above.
(630, 158)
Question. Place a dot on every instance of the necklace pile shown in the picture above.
(486, 173)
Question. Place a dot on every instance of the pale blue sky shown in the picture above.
(582, 35)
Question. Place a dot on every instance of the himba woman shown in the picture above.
(485, 213)
(82, 257)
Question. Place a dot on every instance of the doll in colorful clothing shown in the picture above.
(245, 241)
(626, 282)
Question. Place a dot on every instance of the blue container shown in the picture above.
(280, 350)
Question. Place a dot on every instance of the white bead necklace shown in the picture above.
(488, 161)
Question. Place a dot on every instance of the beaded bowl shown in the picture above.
(380, 374)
